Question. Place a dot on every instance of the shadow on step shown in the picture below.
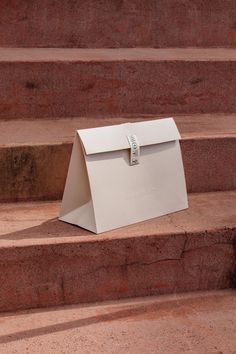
(181, 306)
(50, 229)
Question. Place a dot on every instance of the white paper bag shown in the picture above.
(123, 174)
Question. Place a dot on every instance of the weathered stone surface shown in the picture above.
(46, 262)
(118, 23)
(34, 155)
(201, 322)
(33, 172)
(41, 83)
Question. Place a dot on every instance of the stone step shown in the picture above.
(45, 262)
(117, 23)
(47, 82)
(199, 323)
(34, 155)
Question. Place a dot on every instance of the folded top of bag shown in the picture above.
(114, 137)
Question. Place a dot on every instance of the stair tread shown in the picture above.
(116, 54)
(62, 130)
(153, 322)
(56, 82)
(36, 223)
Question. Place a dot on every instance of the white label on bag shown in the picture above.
(134, 149)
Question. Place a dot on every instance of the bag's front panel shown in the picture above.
(124, 194)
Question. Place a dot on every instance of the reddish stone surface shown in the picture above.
(34, 155)
(33, 172)
(46, 262)
(118, 23)
(194, 323)
(40, 83)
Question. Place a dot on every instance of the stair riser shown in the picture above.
(62, 89)
(38, 276)
(210, 164)
(118, 23)
(39, 172)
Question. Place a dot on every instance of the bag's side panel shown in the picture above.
(124, 194)
(77, 206)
